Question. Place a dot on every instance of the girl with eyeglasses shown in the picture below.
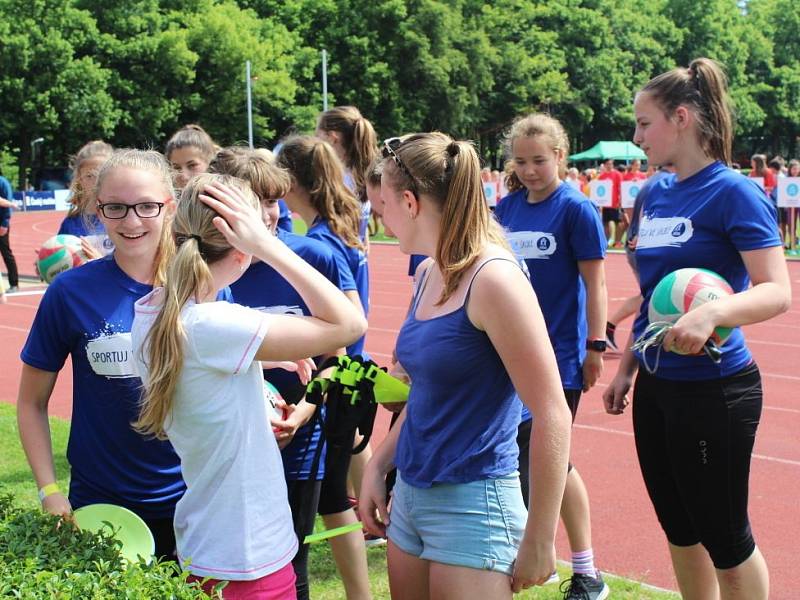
(458, 527)
(86, 314)
(321, 198)
(695, 420)
(203, 385)
(81, 219)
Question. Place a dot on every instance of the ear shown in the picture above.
(240, 257)
(411, 203)
(682, 117)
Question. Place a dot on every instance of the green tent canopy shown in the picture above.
(606, 150)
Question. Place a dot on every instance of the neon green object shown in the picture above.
(329, 533)
(128, 528)
(389, 389)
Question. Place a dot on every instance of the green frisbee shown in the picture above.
(128, 528)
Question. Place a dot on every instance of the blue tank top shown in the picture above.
(462, 414)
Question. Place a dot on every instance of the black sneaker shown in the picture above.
(585, 587)
(610, 329)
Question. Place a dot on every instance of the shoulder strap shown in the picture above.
(478, 270)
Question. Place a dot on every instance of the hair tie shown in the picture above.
(180, 239)
(196, 238)
(453, 149)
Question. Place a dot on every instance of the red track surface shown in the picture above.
(627, 538)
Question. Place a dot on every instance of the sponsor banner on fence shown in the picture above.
(600, 192)
(789, 192)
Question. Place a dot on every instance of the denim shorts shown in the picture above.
(477, 524)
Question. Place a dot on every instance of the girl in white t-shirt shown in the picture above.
(199, 362)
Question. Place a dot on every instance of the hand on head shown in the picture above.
(239, 221)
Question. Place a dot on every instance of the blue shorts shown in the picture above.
(477, 525)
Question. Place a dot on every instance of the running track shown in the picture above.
(627, 539)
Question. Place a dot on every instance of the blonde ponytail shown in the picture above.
(199, 244)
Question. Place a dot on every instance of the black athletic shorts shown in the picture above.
(612, 214)
(694, 440)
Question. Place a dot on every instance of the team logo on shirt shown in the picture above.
(281, 309)
(660, 232)
(532, 244)
(111, 355)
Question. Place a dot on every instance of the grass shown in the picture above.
(16, 478)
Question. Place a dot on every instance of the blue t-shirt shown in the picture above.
(552, 236)
(462, 412)
(263, 288)
(285, 218)
(87, 313)
(89, 226)
(353, 270)
(8, 193)
(704, 221)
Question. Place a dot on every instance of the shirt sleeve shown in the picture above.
(226, 337)
(51, 337)
(748, 218)
(586, 236)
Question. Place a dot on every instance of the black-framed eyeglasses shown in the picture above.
(118, 210)
(389, 150)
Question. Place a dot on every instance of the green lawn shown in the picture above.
(16, 478)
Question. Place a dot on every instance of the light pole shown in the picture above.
(249, 105)
(324, 80)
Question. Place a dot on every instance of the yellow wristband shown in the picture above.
(48, 490)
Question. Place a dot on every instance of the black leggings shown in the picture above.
(333, 497)
(163, 531)
(694, 440)
(303, 499)
(573, 398)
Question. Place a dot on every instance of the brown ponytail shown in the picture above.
(315, 167)
(703, 88)
(449, 172)
(358, 139)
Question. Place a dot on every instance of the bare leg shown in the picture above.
(747, 581)
(697, 579)
(408, 575)
(575, 513)
(350, 555)
(358, 462)
(448, 582)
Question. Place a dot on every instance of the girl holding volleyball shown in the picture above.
(557, 231)
(473, 334)
(86, 314)
(82, 219)
(695, 420)
(203, 386)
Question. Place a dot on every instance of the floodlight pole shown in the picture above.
(249, 105)
(324, 80)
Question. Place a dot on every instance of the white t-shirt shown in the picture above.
(234, 522)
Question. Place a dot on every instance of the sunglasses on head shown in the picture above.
(390, 147)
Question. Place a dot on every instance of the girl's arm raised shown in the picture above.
(35, 387)
(503, 304)
(336, 321)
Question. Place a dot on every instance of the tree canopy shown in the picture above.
(133, 72)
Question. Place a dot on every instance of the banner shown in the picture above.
(630, 189)
(490, 191)
(600, 192)
(789, 192)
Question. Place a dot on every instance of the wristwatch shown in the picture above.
(596, 345)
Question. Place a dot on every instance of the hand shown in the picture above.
(239, 221)
(89, 251)
(303, 367)
(535, 563)
(690, 333)
(57, 504)
(372, 502)
(400, 373)
(297, 415)
(3, 231)
(592, 369)
(615, 396)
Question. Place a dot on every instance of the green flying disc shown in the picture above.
(128, 528)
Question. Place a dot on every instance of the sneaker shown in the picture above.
(585, 587)
(373, 541)
(13, 289)
(610, 329)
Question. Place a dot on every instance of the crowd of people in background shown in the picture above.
(198, 291)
